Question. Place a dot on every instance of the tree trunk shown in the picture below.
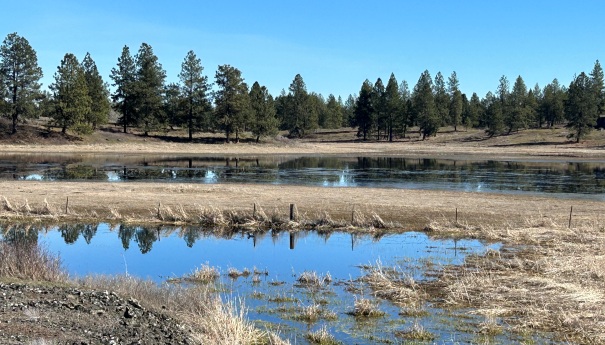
(257, 138)
(14, 129)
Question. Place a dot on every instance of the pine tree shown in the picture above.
(263, 120)
(71, 98)
(442, 100)
(194, 90)
(552, 106)
(392, 105)
(98, 93)
(364, 110)
(475, 111)
(174, 105)
(404, 118)
(335, 112)
(149, 90)
(424, 106)
(582, 108)
(19, 77)
(494, 121)
(378, 102)
(516, 117)
(231, 101)
(598, 84)
(456, 103)
(299, 117)
(124, 98)
(349, 112)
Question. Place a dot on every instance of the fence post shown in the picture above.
(292, 206)
(570, 213)
(67, 205)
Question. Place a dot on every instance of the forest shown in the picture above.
(80, 100)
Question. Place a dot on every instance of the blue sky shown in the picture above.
(334, 45)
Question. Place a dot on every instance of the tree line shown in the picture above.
(80, 100)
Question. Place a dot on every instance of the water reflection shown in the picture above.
(390, 172)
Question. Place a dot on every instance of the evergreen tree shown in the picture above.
(149, 90)
(174, 105)
(124, 98)
(71, 97)
(582, 108)
(364, 110)
(19, 77)
(532, 104)
(299, 117)
(379, 105)
(317, 107)
(552, 106)
(442, 100)
(475, 111)
(194, 92)
(598, 84)
(98, 93)
(424, 106)
(494, 121)
(334, 111)
(349, 112)
(392, 105)
(263, 120)
(231, 101)
(516, 117)
(456, 103)
(404, 118)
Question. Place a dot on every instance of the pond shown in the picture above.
(275, 300)
(564, 179)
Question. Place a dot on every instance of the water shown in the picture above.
(160, 253)
(586, 179)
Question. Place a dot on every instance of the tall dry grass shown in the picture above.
(29, 261)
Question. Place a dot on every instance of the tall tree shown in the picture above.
(598, 85)
(516, 117)
(392, 104)
(262, 107)
(552, 106)
(494, 121)
(124, 78)
(231, 101)
(379, 105)
(19, 75)
(424, 106)
(349, 112)
(582, 108)
(475, 111)
(98, 93)
(334, 111)
(70, 94)
(300, 118)
(364, 110)
(456, 102)
(175, 107)
(149, 90)
(442, 100)
(404, 118)
(195, 89)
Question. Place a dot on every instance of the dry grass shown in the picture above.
(394, 285)
(25, 260)
(211, 320)
(204, 274)
(232, 205)
(546, 277)
(366, 308)
(313, 313)
(312, 280)
(416, 333)
(321, 337)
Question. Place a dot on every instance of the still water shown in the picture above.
(586, 179)
(161, 253)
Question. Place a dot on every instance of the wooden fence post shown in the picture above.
(67, 205)
(570, 213)
(292, 216)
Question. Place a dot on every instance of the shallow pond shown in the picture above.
(563, 179)
(274, 299)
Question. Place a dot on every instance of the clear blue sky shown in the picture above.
(334, 45)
